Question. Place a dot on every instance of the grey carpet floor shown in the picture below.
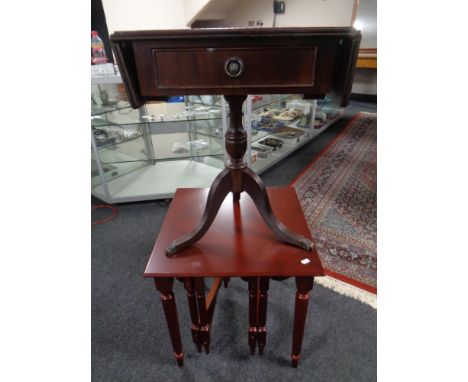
(130, 341)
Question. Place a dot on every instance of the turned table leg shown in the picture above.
(192, 301)
(262, 313)
(252, 313)
(164, 285)
(304, 286)
(204, 321)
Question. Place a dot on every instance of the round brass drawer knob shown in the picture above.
(234, 66)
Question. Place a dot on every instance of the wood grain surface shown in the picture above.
(239, 243)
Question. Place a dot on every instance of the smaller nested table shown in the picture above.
(238, 244)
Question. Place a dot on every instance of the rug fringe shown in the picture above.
(348, 290)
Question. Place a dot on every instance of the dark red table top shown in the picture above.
(237, 244)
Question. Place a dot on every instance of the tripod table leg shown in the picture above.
(254, 186)
(219, 189)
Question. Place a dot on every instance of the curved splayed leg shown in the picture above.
(219, 189)
(254, 186)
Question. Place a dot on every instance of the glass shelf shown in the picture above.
(146, 153)
(268, 100)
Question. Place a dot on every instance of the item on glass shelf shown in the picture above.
(289, 133)
(257, 124)
(179, 147)
(331, 113)
(123, 133)
(267, 125)
(304, 121)
(324, 101)
(217, 131)
(288, 115)
(114, 133)
(269, 113)
(264, 119)
(272, 142)
(321, 115)
(261, 150)
(318, 124)
(299, 104)
(99, 135)
(198, 145)
(183, 147)
(277, 125)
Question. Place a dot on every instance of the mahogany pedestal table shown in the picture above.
(235, 62)
(238, 244)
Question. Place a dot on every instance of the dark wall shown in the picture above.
(98, 23)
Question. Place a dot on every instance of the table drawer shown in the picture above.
(234, 67)
(309, 61)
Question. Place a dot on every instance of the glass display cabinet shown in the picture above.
(147, 153)
(280, 124)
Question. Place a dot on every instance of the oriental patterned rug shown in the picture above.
(338, 194)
